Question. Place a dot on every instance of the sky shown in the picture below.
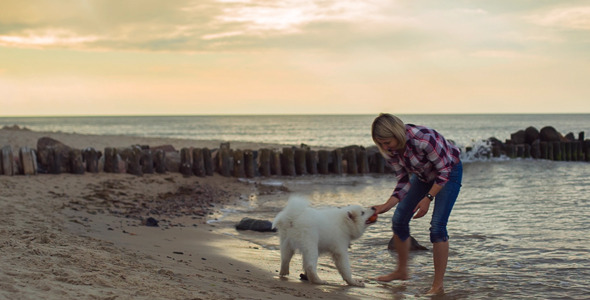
(203, 57)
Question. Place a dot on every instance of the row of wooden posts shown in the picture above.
(137, 160)
(288, 161)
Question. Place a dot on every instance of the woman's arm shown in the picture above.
(424, 204)
(385, 207)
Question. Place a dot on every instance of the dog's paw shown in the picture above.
(356, 282)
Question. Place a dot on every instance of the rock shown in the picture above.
(518, 137)
(413, 246)
(255, 225)
(498, 148)
(531, 134)
(53, 156)
(15, 127)
(150, 222)
(549, 134)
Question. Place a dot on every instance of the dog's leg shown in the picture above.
(310, 263)
(343, 265)
(286, 255)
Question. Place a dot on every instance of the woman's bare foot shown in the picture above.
(397, 275)
(435, 291)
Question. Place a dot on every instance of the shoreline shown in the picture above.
(26, 138)
(70, 236)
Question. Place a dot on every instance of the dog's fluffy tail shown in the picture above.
(295, 206)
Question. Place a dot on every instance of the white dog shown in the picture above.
(316, 231)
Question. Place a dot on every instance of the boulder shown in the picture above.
(150, 222)
(518, 137)
(53, 156)
(549, 134)
(531, 134)
(255, 225)
(414, 245)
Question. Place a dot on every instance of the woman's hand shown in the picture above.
(422, 208)
(385, 207)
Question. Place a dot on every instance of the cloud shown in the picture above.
(568, 18)
(193, 26)
(46, 38)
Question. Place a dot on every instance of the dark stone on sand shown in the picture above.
(151, 222)
(255, 225)
(414, 245)
(52, 156)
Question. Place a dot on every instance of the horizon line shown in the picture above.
(280, 114)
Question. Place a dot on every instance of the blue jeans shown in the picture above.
(443, 204)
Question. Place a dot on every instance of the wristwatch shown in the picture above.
(430, 197)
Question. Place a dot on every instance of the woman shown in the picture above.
(427, 167)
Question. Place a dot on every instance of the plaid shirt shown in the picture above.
(427, 154)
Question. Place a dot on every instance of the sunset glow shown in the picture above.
(307, 57)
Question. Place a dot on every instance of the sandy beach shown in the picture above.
(86, 236)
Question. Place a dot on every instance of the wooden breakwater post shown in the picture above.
(186, 162)
(76, 162)
(324, 161)
(28, 161)
(7, 161)
(275, 163)
(264, 162)
(250, 163)
(131, 158)
(111, 162)
(363, 161)
(300, 161)
(543, 150)
(377, 163)
(198, 162)
(336, 162)
(224, 160)
(208, 162)
(90, 157)
(147, 161)
(288, 162)
(351, 162)
(159, 161)
(311, 158)
(238, 170)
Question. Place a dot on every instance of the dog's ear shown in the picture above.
(352, 216)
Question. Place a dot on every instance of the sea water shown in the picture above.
(519, 228)
(312, 130)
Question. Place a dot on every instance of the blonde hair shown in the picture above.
(388, 126)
